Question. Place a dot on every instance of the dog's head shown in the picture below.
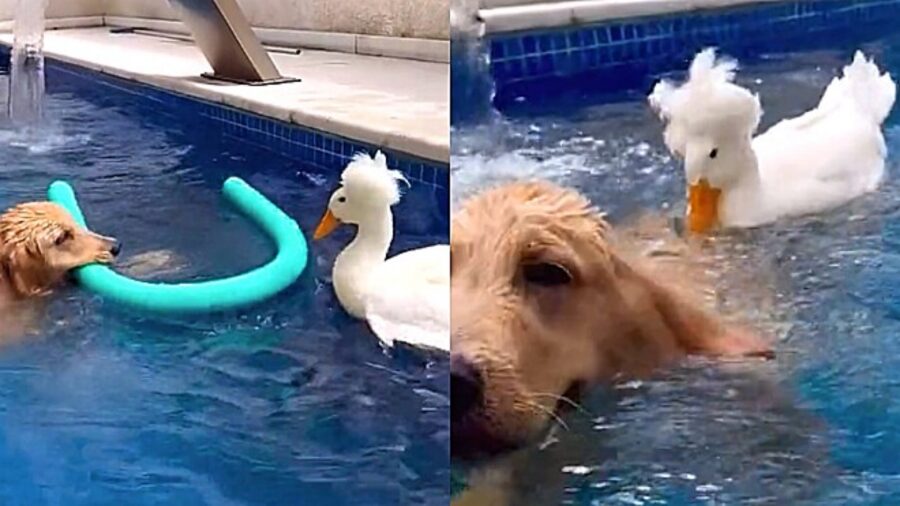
(541, 306)
(40, 243)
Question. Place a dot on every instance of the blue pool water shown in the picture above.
(290, 402)
(820, 425)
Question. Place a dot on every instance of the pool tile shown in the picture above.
(321, 149)
(661, 43)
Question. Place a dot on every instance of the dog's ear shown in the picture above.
(695, 330)
(20, 267)
(5, 267)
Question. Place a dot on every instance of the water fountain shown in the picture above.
(472, 89)
(26, 89)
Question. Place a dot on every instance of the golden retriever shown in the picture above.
(544, 304)
(39, 244)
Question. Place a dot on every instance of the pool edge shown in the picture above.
(370, 133)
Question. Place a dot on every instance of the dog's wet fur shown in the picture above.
(544, 304)
(40, 243)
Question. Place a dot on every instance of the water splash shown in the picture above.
(26, 89)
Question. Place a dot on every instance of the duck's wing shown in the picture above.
(834, 145)
(820, 160)
(409, 299)
(835, 151)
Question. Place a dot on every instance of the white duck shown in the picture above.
(405, 298)
(811, 163)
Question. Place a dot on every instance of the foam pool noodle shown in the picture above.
(206, 296)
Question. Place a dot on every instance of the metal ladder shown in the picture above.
(222, 32)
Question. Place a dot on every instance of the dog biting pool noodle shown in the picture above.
(208, 296)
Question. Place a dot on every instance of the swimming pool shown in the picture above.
(817, 426)
(288, 402)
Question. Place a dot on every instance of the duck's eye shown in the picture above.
(546, 274)
(342, 199)
(714, 153)
(63, 238)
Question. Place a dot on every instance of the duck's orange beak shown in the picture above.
(326, 226)
(703, 206)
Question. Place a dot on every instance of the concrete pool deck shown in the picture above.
(392, 103)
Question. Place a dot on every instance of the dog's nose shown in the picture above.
(116, 249)
(466, 387)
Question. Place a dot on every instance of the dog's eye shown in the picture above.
(714, 153)
(63, 237)
(546, 274)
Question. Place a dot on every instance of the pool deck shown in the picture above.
(392, 103)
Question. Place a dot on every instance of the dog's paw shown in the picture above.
(744, 343)
(105, 258)
(152, 264)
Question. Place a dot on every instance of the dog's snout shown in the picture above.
(466, 387)
(116, 249)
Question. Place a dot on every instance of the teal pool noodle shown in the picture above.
(206, 296)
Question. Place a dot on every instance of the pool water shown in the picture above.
(289, 402)
(817, 426)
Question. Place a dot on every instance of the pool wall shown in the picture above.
(629, 53)
(59, 8)
(411, 29)
(325, 151)
(396, 18)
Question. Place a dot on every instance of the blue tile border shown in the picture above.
(627, 54)
(314, 147)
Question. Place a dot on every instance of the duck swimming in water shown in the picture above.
(405, 298)
(807, 164)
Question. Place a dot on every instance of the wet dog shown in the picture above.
(39, 244)
(544, 304)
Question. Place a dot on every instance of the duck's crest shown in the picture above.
(368, 179)
(707, 69)
(707, 103)
(706, 72)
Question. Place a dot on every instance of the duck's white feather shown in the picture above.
(404, 298)
(807, 164)
(411, 298)
(368, 181)
(706, 104)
